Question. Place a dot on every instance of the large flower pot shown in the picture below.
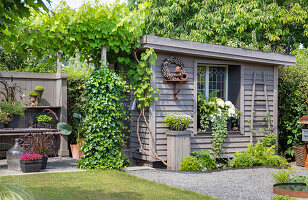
(30, 165)
(44, 162)
(76, 153)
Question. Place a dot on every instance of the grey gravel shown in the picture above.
(239, 184)
(55, 164)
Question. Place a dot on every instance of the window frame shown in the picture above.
(207, 79)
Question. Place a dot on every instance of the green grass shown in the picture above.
(97, 185)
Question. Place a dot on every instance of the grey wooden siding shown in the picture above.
(259, 102)
(166, 103)
(235, 142)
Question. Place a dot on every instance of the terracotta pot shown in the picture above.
(76, 153)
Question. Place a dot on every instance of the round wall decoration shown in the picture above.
(165, 67)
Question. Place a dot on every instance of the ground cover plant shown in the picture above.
(258, 155)
(199, 161)
(96, 184)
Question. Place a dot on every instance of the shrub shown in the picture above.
(12, 108)
(105, 112)
(190, 164)
(269, 140)
(204, 159)
(177, 122)
(292, 101)
(283, 176)
(242, 160)
(258, 155)
(43, 118)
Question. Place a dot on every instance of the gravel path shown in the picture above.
(55, 164)
(239, 184)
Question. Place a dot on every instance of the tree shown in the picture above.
(270, 25)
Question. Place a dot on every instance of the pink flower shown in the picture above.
(28, 157)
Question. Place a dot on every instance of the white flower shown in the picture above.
(229, 104)
(220, 102)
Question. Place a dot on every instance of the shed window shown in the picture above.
(213, 77)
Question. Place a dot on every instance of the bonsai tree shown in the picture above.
(33, 96)
(39, 90)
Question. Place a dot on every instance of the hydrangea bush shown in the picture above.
(217, 112)
(177, 122)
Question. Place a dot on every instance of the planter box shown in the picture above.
(30, 165)
(44, 162)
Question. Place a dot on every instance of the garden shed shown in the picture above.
(247, 78)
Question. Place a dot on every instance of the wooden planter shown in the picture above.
(299, 153)
(44, 162)
(30, 165)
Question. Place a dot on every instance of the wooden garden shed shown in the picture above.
(247, 78)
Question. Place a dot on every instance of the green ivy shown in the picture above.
(104, 138)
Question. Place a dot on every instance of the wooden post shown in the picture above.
(59, 64)
(104, 55)
(178, 147)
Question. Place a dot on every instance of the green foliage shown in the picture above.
(141, 74)
(104, 138)
(243, 160)
(217, 112)
(177, 122)
(12, 108)
(269, 140)
(283, 198)
(190, 164)
(299, 179)
(78, 73)
(64, 128)
(33, 94)
(43, 118)
(39, 88)
(270, 25)
(204, 159)
(86, 30)
(292, 101)
(283, 176)
(79, 121)
(258, 155)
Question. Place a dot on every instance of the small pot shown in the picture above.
(33, 100)
(30, 165)
(76, 153)
(44, 162)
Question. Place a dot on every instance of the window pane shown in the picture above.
(217, 81)
(201, 79)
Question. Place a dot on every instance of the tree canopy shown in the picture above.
(270, 25)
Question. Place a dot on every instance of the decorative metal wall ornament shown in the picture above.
(165, 67)
(178, 76)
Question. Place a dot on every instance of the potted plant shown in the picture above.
(39, 90)
(75, 148)
(30, 162)
(42, 144)
(43, 119)
(13, 110)
(4, 119)
(177, 122)
(33, 96)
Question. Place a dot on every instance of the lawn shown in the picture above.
(97, 185)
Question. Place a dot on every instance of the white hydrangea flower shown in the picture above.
(229, 104)
(220, 102)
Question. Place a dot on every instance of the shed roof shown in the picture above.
(215, 51)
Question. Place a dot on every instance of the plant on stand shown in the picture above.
(9, 111)
(75, 148)
(33, 96)
(30, 162)
(43, 120)
(39, 90)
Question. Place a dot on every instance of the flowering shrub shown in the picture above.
(177, 122)
(29, 156)
(216, 111)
